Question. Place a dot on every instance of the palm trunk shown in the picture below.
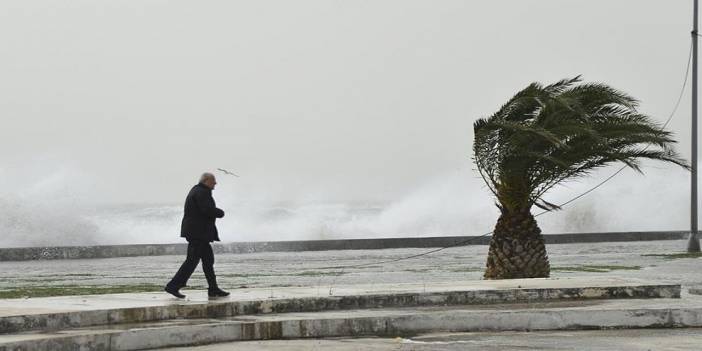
(517, 248)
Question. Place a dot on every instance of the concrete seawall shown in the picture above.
(108, 251)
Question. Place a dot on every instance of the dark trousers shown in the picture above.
(197, 250)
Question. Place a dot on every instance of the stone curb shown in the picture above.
(78, 319)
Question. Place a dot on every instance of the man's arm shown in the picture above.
(206, 205)
(220, 213)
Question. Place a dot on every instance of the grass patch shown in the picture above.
(675, 256)
(66, 290)
(296, 274)
(594, 268)
(59, 276)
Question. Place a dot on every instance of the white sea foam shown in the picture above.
(59, 209)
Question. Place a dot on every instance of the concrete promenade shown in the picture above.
(650, 260)
(280, 294)
(80, 311)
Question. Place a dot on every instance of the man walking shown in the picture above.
(198, 228)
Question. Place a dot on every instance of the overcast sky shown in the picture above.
(346, 100)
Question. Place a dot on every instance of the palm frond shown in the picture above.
(546, 135)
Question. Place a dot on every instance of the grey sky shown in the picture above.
(344, 100)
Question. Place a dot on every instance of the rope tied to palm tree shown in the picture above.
(472, 239)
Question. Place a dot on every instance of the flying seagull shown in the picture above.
(227, 172)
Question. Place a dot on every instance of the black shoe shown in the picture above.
(174, 292)
(217, 293)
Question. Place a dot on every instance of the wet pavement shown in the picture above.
(596, 340)
(315, 269)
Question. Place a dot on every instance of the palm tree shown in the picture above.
(544, 136)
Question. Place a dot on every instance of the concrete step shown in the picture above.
(556, 315)
(18, 315)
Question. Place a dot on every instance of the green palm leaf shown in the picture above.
(546, 135)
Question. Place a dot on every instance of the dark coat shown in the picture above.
(199, 215)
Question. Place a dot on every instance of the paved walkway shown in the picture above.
(35, 306)
(312, 269)
(277, 276)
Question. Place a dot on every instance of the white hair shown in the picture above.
(205, 176)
